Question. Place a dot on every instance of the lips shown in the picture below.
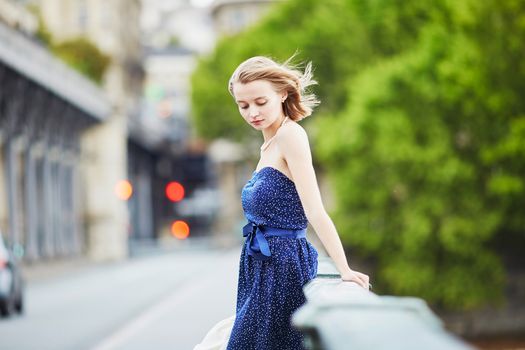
(256, 121)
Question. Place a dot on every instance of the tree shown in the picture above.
(339, 36)
(423, 104)
(428, 157)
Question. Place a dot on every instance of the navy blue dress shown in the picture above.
(270, 287)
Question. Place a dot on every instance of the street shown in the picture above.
(159, 302)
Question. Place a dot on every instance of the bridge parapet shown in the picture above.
(34, 62)
(343, 315)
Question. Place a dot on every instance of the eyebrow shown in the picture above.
(257, 98)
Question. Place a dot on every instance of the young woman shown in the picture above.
(279, 200)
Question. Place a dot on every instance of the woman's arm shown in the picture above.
(295, 148)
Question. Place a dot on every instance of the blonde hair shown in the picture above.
(300, 102)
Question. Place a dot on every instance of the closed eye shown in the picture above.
(258, 104)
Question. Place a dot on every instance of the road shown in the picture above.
(159, 302)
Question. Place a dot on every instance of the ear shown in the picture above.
(284, 96)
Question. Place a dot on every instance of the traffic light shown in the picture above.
(174, 191)
(180, 229)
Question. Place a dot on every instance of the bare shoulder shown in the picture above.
(291, 133)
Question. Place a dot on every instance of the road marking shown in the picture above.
(155, 312)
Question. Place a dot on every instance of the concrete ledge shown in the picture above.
(343, 315)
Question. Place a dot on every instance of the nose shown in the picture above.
(253, 112)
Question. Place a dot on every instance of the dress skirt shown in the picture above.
(268, 293)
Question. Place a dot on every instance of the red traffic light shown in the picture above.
(174, 191)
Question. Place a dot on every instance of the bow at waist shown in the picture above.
(258, 245)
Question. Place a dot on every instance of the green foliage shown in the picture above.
(84, 56)
(415, 150)
(423, 105)
(79, 53)
(339, 36)
(174, 40)
(43, 33)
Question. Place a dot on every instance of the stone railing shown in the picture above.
(343, 315)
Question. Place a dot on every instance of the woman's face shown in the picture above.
(259, 104)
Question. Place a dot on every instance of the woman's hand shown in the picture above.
(358, 277)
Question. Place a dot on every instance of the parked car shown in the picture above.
(11, 281)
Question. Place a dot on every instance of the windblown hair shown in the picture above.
(284, 77)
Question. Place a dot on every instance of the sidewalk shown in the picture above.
(48, 270)
(45, 270)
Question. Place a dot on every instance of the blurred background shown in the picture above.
(122, 159)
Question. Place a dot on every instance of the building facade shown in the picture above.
(233, 16)
(44, 109)
(114, 27)
(174, 34)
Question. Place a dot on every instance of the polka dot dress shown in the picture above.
(270, 290)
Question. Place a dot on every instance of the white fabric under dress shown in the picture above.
(218, 336)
